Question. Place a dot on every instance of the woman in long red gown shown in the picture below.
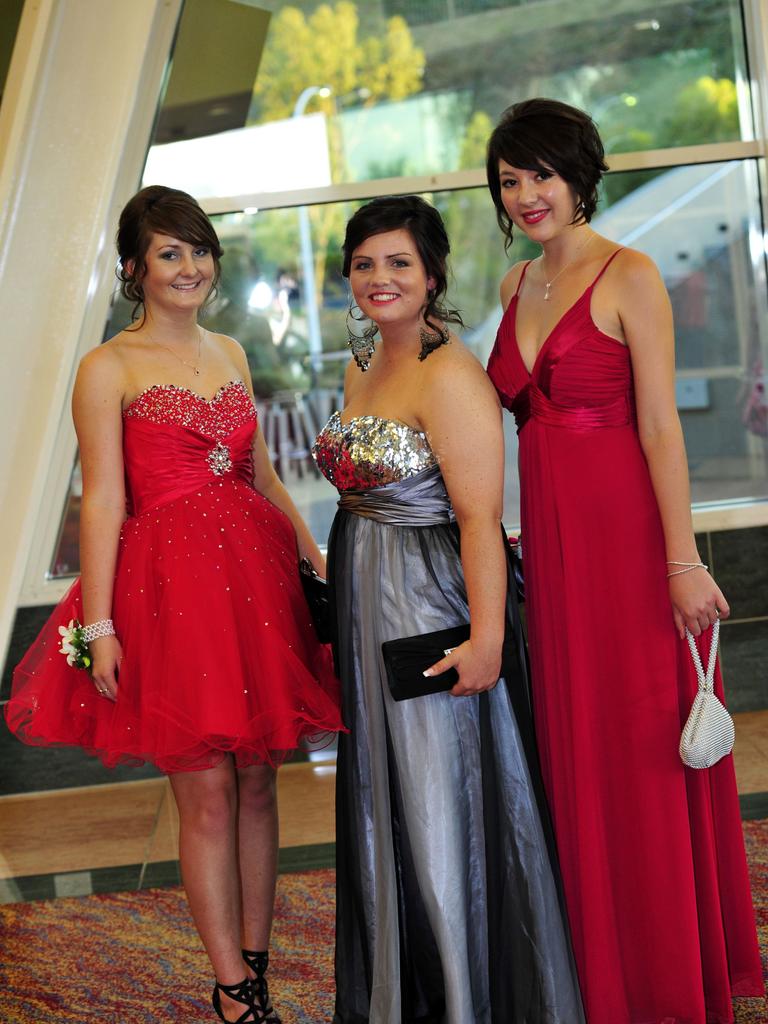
(205, 661)
(651, 852)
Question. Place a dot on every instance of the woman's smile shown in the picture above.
(534, 216)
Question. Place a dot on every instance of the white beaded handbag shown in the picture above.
(708, 734)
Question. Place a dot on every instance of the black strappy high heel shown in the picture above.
(259, 962)
(242, 993)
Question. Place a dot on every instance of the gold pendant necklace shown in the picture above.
(579, 251)
(195, 367)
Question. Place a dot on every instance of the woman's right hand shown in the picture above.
(697, 601)
(479, 667)
(107, 655)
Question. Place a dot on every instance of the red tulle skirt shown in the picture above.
(219, 652)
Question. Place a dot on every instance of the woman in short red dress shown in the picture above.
(651, 852)
(204, 657)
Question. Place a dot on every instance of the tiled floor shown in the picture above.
(97, 838)
(124, 835)
(136, 822)
(751, 751)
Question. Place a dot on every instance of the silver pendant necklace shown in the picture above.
(579, 251)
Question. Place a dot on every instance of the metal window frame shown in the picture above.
(642, 160)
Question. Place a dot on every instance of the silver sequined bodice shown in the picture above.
(370, 451)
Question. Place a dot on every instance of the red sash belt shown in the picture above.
(532, 403)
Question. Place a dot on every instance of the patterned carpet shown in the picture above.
(134, 958)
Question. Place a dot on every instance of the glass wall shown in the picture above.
(411, 89)
(349, 92)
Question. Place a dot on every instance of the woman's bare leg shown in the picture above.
(258, 845)
(207, 803)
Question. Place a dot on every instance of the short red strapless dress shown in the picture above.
(219, 652)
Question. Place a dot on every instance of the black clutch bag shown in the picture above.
(405, 660)
(318, 600)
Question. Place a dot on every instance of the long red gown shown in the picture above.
(651, 852)
(219, 653)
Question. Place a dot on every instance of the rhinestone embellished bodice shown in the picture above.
(215, 417)
(175, 442)
(370, 451)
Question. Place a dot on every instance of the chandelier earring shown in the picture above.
(434, 337)
(360, 342)
(430, 340)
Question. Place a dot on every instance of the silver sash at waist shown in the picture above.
(419, 500)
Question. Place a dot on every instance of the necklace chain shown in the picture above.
(579, 251)
(195, 367)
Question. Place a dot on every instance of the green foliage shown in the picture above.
(705, 111)
(392, 67)
(327, 48)
(473, 145)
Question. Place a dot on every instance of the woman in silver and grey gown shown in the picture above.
(448, 906)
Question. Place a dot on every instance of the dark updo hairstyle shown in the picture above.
(425, 226)
(165, 211)
(541, 135)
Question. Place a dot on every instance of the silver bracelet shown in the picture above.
(690, 566)
(104, 627)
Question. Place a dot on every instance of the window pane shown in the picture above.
(700, 224)
(346, 92)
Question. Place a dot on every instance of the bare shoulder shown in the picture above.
(228, 347)
(458, 408)
(510, 282)
(104, 366)
(232, 353)
(452, 371)
(634, 268)
(226, 343)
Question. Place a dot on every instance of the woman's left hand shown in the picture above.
(478, 667)
(697, 601)
(318, 564)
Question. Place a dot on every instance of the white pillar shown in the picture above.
(75, 123)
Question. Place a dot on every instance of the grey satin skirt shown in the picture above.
(448, 905)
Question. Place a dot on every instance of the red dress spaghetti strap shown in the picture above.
(651, 852)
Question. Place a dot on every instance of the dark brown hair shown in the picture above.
(540, 135)
(165, 211)
(426, 228)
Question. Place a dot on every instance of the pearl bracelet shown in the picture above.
(689, 567)
(104, 627)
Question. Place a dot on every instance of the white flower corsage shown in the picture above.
(73, 646)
